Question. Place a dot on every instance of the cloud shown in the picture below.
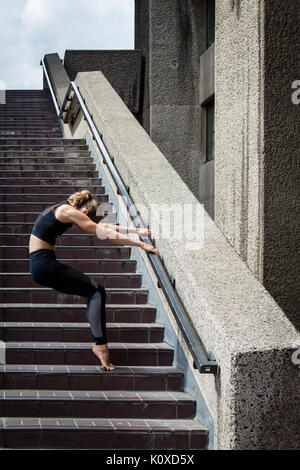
(29, 29)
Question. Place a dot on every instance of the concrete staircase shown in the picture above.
(53, 391)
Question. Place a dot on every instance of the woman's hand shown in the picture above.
(144, 232)
(150, 248)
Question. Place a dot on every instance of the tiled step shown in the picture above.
(75, 313)
(43, 148)
(53, 188)
(29, 127)
(16, 119)
(30, 197)
(96, 266)
(67, 239)
(43, 177)
(94, 377)
(48, 295)
(32, 129)
(63, 180)
(105, 253)
(33, 111)
(80, 332)
(54, 158)
(28, 168)
(49, 121)
(123, 280)
(29, 134)
(99, 404)
(13, 206)
(52, 176)
(41, 142)
(45, 157)
(121, 354)
(103, 433)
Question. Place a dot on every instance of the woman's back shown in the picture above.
(47, 227)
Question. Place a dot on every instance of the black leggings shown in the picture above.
(47, 271)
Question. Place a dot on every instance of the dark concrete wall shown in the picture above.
(121, 68)
(281, 135)
(142, 38)
(57, 75)
(171, 35)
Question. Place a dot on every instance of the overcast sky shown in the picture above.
(29, 29)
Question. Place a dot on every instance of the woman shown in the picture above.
(79, 209)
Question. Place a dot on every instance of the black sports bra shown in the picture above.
(47, 227)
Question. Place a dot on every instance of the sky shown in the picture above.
(29, 29)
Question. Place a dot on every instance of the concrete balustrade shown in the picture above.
(254, 400)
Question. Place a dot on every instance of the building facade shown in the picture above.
(219, 77)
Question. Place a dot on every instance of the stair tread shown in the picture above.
(78, 325)
(11, 394)
(64, 306)
(78, 345)
(102, 273)
(37, 289)
(100, 423)
(76, 368)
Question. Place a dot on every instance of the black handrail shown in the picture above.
(203, 361)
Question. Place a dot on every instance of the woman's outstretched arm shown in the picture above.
(104, 232)
(125, 229)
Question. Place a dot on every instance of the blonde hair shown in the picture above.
(85, 198)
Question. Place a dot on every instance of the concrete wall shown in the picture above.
(281, 155)
(58, 77)
(170, 34)
(232, 312)
(239, 133)
(256, 140)
(122, 69)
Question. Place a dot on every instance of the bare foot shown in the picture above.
(101, 351)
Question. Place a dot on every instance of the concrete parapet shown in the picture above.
(254, 400)
(58, 76)
(122, 68)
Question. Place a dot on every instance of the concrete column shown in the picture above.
(256, 139)
(169, 34)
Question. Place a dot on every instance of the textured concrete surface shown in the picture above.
(232, 312)
(170, 34)
(206, 186)
(239, 138)
(58, 76)
(281, 155)
(142, 26)
(207, 74)
(121, 68)
(257, 140)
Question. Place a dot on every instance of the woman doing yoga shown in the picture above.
(78, 209)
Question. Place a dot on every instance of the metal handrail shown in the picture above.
(204, 362)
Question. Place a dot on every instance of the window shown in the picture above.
(210, 131)
(210, 22)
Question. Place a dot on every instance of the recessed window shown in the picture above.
(210, 22)
(210, 131)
